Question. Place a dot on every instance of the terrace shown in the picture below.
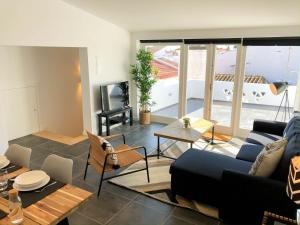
(258, 100)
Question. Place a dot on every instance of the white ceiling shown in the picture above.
(140, 15)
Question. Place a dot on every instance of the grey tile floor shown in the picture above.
(115, 205)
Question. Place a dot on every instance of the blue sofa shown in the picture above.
(224, 182)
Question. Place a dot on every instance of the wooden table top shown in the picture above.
(51, 209)
(176, 131)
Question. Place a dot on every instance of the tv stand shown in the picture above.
(113, 117)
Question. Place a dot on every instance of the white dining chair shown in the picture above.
(58, 168)
(18, 155)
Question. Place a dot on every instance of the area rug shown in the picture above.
(217, 136)
(159, 186)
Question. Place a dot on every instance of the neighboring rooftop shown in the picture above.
(258, 79)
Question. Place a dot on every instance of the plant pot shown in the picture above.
(145, 117)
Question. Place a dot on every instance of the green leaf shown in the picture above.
(144, 75)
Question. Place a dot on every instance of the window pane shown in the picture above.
(196, 72)
(165, 92)
(264, 65)
(225, 60)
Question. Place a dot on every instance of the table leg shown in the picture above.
(191, 145)
(212, 135)
(158, 147)
(130, 117)
(123, 118)
(100, 125)
(107, 126)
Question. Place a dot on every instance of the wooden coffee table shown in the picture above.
(176, 131)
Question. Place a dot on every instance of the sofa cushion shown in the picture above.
(197, 174)
(268, 159)
(292, 149)
(293, 129)
(249, 152)
(261, 138)
(210, 164)
(290, 124)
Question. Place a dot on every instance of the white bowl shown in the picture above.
(2, 159)
(4, 164)
(42, 184)
(30, 179)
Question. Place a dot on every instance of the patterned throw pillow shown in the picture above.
(112, 159)
(268, 159)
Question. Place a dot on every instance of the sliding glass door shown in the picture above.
(196, 77)
(210, 80)
(223, 84)
(261, 99)
(228, 81)
(165, 93)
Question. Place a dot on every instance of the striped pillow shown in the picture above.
(112, 159)
(268, 159)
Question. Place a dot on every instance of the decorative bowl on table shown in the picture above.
(3, 161)
(31, 180)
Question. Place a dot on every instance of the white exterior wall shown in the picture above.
(165, 93)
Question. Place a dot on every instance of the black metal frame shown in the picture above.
(108, 115)
(119, 175)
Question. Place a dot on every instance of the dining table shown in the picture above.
(51, 209)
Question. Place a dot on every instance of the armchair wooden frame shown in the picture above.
(124, 149)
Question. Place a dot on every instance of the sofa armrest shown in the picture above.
(271, 127)
(252, 195)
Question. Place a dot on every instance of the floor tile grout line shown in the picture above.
(153, 208)
(181, 218)
(121, 210)
(166, 219)
(89, 218)
(111, 192)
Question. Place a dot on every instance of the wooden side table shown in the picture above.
(270, 218)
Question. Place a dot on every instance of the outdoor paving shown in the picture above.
(221, 112)
(116, 205)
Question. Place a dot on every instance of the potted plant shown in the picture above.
(144, 75)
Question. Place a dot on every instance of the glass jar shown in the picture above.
(15, 207)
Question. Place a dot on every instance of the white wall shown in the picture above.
(208, 33)
(3, 136)
(60, 98)
(56, 23)
(55, 74)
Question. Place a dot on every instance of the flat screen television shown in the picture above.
(114, 96)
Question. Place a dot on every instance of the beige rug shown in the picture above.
(159, 186)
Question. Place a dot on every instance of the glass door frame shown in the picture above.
(237, 92)
(233, 129)
(182, 88)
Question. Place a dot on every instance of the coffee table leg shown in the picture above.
(212, 135)
(158, 147)
(191, 145)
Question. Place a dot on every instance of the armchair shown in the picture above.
(127, 155)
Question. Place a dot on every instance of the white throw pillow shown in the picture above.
(268, 159)
(112, 159)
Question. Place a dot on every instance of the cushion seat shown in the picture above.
(249, 152)
(260, 138)
(198, 174)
